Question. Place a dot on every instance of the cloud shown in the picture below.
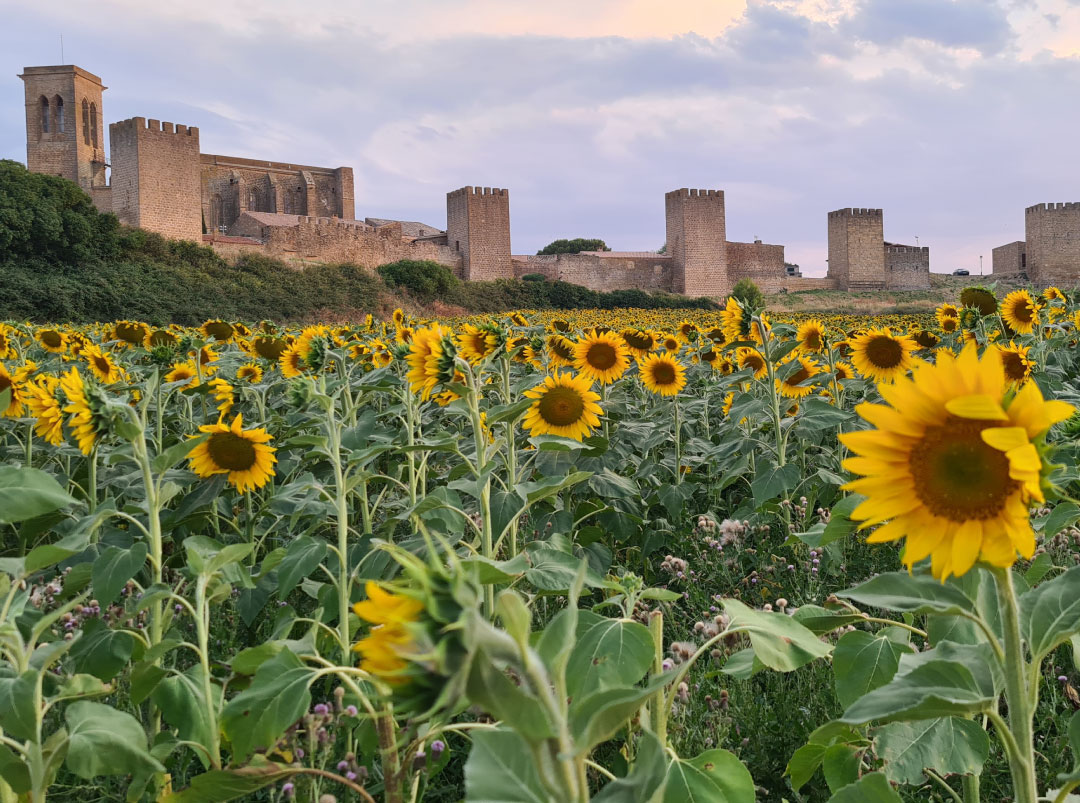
(794, 107)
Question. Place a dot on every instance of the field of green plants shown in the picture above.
(613, 556)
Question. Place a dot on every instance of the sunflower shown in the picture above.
(949, 325)
(732, 317)
(670, 343)
(559, 325)
(382, 651)
(843, 371)
(601, 358)
(1054, 294)
(811, 335)
(518, 319)
(101, 364)
(84, 422)
(980, 298)
(881, 355)
(9, 383)
(954, 463)
(946, 311)
(425, 357)
(159, 337)
(751, 358)
(291, 362)
(6, 345)
(662, 374)
(132, 333)
(52, 340)
(476, 342)
(223, 394)
(716, 335)
(183, 372)
(563, 405)
(560, 350)
(217, 329)
(1014, 359)
(925, 338)
(688, 332)
(1019, 311)
(793, 384)
(241, 454)
(250, 372)
(639, 341)
(398, 317)
(42, 404)
(268, 347)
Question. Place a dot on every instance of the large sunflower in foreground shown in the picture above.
(753, 359)
(474, 343)
(14, 406)
(1019, 311)
(52, 340)
(241, 454)
(43, 405)
(426, 352)
(662, 374)
(954, 463)
(601, 357)
(879, 354)
(84, 422)
(383, 651)
(563, 405)
(102, 365)
(1016, 362)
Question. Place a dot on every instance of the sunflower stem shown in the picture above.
(1022, 762)
(486, 547)
(91, 481)
(678, 443)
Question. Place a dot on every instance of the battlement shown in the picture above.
(1052, 207)
(141, 125)
(907, 249)
(477, 191)
(689, 193)
(855, 212)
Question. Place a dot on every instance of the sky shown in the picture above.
(950, 115)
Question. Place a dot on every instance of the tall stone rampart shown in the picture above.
(478, 227)
(697, 241)
(1052, 234)
(907, 267)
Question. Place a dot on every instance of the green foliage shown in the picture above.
(749, 294)
(575, 246)
(508, 294)
(424, 279)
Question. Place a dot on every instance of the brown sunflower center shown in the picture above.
(270, 347)
(102, 364)
(162, 338)
(561, 350)
(957, 475)
(1022, 311)
(637, 341)
(601, 356)
(231, 451)
(51, 338)
(663, 373)
(1015, 369)
(884, 352)
(219, 330)
(753, 362)
(561, 407)
(5, 382)
(812, 339)
(798, 377)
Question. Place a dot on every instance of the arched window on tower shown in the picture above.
(44, 115)
(93, 124)
(85, 122)
(58, 104)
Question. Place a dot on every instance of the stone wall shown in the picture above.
(1053, 243)
(231, 185)
(478, 227)
(696, 241)
(907, 267)
(803, 284)
(602, 270)
(1010, 259)
(64, 132)
(324, 239)
(155, 177)
(856, 249)
(761, 262)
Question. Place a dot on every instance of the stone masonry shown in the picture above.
(1053, 243)
(1010, 259)
(161, 181)
(478, 227)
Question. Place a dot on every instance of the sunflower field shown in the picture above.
(607, 555)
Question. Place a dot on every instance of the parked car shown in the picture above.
(961, 272)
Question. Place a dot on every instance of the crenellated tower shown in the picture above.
(1053, 243)
(478, 226)
(697, 242)
(857, 249)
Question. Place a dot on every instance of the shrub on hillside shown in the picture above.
(748, 293)
(575, 246)
(424, 279)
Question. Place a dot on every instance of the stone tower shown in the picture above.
(857, 249)
(64, 132)
(478, 226)
(697, 242)
(1053, 243)
(155, 177)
